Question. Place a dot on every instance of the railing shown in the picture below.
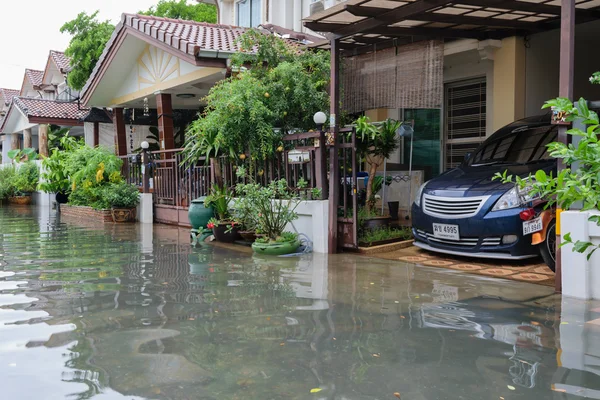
(302, 156)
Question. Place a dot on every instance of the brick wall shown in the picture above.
(86, 213)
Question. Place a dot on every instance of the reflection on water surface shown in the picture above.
(128, 312)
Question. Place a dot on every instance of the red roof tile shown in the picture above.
(7, 95)
(61, 61)
(34, 76)
(50, 108)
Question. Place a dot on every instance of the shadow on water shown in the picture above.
(134, 312)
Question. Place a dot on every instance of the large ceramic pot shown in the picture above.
(198, 214)
(123, 215)
(276, 249)
(224, 234)
(377, 222)
(62, 198)
(20, 200)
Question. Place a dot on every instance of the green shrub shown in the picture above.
(122, 195)
(7, 181)
(89, 197)
(27, 178)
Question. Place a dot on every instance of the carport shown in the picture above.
(358, 27)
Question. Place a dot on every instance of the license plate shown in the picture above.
(535, 225)
(444, 231)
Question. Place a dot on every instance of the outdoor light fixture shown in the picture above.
(320, 118)
(186, 95)
(145, 145)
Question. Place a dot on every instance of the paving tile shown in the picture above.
(530, 276)
(500, 272)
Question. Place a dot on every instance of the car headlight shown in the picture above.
(419, 195)
(508, 200)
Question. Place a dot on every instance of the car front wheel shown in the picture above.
(548, 247)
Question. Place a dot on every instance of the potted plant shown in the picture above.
(276, 206)
(123, 199)
(246, 211)
(375, 145)
(225, 228)
(54, 178)
(26, 179)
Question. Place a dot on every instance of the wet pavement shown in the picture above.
(134, 312)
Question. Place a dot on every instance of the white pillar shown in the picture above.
(298, 15)
(145, 209)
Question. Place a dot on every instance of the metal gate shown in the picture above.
(348, 199)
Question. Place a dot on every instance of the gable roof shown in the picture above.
(8, 94)
(61, 60)
(35, 76)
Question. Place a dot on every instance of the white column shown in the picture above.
(298, 15)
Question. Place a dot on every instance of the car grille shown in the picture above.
(463, 242)
(452, 207)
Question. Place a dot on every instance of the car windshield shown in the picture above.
(523, 146)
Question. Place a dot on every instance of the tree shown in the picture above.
(181, 10)
(89, 36)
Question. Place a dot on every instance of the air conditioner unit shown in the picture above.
(316, 6)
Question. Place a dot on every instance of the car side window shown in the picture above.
(531, 144)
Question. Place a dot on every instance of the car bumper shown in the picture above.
(481, 236)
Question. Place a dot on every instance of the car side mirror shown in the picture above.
(468, 157)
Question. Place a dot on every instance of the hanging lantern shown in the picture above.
(146, 108)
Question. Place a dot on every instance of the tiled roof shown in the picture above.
(34, 76)
(61, 60)
(50, 108)
(8, 94)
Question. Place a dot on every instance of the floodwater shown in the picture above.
(134, 312)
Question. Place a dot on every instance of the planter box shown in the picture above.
(580, 276)
(386, 248)
(381, 242)
(86, 213)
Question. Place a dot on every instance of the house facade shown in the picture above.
(44, 99)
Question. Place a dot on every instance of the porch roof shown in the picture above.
(25, 112)
(363, 24)
(6, 95)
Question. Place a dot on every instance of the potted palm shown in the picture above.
(123, 199)
(225, 228)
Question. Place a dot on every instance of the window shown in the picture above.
(249, 13)
(520, 147)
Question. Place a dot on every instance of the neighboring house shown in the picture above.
(44, 99)
(6, 96)
(284, 13)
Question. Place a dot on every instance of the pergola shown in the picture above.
(359, 26)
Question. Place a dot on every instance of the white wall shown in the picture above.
(106, 137)
(313, 221)
(5, 149)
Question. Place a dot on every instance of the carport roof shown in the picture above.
(362, 24)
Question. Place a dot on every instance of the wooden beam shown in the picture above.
(530, 7)
(27, 138)
(485, 22)
(120, 132)
(334, 171)
(390, 17)
(43, 140)
(96, 141)
(438, 33)
(166, 129)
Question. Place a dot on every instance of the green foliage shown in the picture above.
(7, 181)
(26, 178)
(182, 10)
(219, 198)
(273, 206)
(88, 38)
(122, 195)
(370, 236)
(375, 144)
(93, 196)
(54, 176)
(18, 155)
(283, 88)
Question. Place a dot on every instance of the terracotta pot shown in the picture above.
(248, 236)
(123, 215)
(222, 235)
(20, 200)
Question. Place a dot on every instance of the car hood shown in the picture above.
(478, 180)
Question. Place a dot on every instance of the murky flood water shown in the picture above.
(132, 312)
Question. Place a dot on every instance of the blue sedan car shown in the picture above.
(466, 212)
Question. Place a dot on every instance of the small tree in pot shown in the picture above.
(123, 199)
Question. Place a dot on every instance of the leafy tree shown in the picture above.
(89, 36)
(278, 85)
(181, 10)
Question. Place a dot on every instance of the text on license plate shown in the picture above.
(535, 225)
(444, 231)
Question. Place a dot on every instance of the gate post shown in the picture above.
(334, 172)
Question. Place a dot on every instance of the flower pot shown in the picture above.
(121, 215)
(20, 200)
(276, 249)
(198, 214)
(377, 222)
(248, 236)
(222, 235)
